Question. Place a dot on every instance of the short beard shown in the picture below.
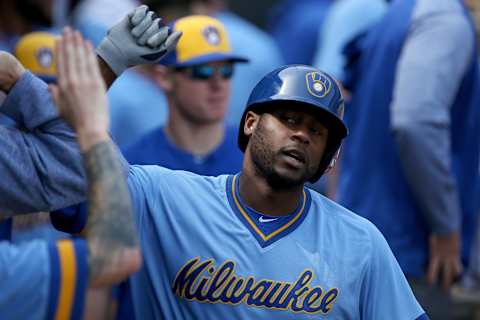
(263, 156)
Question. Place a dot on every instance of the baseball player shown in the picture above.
(196, 78)
(257, 244)
(42, 280)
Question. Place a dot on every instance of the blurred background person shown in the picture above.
(196, 80)
(409, 164)
(467, 291)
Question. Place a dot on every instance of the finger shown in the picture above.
(143, 25)
(158, 38)
(80, 56)
(432, 273)
(458, 267)
(138, 14)
(153, 29)
(62, 61)
(59, 58)
(447, 275)
(172, 40)
(70, 55)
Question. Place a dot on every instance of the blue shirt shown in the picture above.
(155, 148)
(207, 256)
(42, 280)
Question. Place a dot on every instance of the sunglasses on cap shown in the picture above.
(206, 72)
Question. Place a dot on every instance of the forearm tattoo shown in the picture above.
(110, 226)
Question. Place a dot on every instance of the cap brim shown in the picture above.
(213, 57)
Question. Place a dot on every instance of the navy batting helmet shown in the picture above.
(307, 88)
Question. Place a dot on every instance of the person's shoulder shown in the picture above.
(173, 179)
(340, 215)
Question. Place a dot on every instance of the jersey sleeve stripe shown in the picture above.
(69, 279)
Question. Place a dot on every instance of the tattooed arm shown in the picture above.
(81, 99)
(113, 245)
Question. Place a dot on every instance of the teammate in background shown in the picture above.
(59, 272)
(196, 80)
(256, 245)
(413, 152)
(468, 288)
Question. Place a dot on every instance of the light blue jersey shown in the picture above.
(208, 256)
(41, 280)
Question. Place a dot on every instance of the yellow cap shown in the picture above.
(204, 40)
(36, 52)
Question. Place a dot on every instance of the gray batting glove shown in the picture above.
(140, 38)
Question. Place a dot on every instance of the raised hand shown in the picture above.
(80, 95)
(139, 38)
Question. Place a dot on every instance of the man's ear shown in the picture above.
(163, 77)
(251, 122)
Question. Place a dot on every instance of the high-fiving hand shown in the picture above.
(139, 38)
(80, 95)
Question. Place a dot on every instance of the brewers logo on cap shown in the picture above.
(318, 84)
(45, 57)
(212, 35)
(35, 51)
